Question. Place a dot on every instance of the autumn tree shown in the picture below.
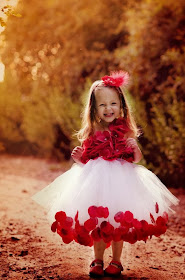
(155, 57)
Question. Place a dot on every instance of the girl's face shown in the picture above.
(108, 105)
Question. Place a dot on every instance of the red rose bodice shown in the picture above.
(109, 145)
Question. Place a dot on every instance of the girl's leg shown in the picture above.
(115, 267)
(99, 248)
(96, 267)
(117, 250)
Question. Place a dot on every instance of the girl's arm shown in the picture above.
(131, 142)
(77, 153)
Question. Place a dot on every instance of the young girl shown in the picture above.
(106, 198)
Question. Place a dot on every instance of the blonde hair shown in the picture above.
(89, 118)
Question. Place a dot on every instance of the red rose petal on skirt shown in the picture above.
(163, 229)
(151, 230)
(81, 230)
(64, 232)
(124, 229)
(77, 226)
(60, 216)
(117, 234)
(67, 223)
(90, 224)
(139, 234)
(54, 226)
(125, 224)
(84, 239)
(102, 212)
(106, 227)
(76, 217)
(96, 234)
(132, 236)
(128, 217)
(92, 210)
(156, 208)
(119, 217)
(106, 237)
(152, 218)
(160, 230)
(67, 239)
(144, 225)
(161, 221)
(136, 224)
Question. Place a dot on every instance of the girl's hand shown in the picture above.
(131, 142)
(77, 153)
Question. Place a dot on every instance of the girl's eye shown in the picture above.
(101, 104)
(113, 103)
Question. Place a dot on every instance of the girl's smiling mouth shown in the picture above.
(109, 115)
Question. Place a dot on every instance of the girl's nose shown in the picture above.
(108, 107)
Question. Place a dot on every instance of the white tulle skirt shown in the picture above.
(109, 200)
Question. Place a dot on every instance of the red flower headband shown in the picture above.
(116, 79)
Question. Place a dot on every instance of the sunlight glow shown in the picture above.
(2, 68)
(3, 3)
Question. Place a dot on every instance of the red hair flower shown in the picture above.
(116, 79)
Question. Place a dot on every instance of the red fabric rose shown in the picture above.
(108, 145)
(118, 127)
(123, 151)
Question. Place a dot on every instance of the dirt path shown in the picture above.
(29, 250)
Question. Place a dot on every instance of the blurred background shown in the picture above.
(50, 53)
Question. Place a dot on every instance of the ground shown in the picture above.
(29, 250)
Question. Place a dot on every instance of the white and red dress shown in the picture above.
(107, 196)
